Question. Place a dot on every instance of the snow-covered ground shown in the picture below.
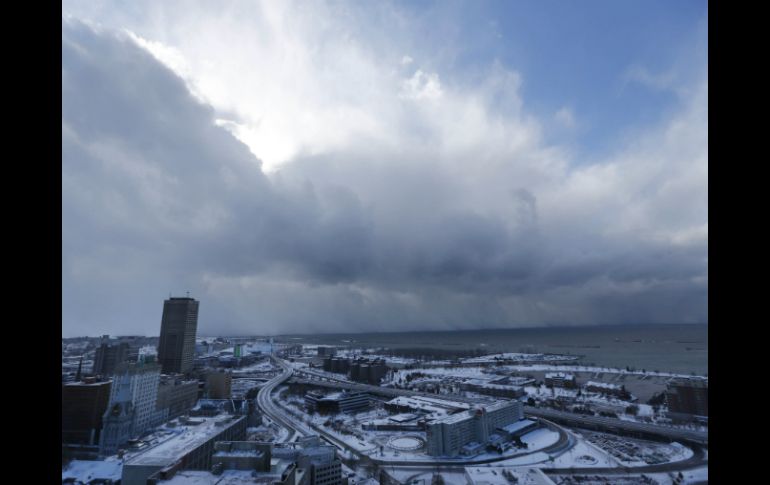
(264, 366)
(583, 454)
(583, 368)
(540, 438)
(377, 443)
(633, 452)
(516, 356)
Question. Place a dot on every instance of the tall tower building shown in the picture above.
(176, 348)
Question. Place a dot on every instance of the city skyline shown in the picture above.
(335, 167)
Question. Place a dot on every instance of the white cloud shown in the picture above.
(422, 86)
(390, 200)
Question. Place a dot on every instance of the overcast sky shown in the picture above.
(373, 166)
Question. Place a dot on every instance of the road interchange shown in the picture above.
(278, 415)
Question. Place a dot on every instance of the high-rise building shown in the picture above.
(176, 348)
(109, 356)
(219, 385)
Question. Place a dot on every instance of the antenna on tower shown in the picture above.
(188, 294)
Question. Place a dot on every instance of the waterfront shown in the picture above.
(665, 348)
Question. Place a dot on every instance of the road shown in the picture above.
(615, 425)
(272, 411)
(697, 460)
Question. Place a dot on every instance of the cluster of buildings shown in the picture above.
(369, 371)
(607, 388)
(232, 356)
(128, 392)
(414, 413)
(504, 386)
(213, 451)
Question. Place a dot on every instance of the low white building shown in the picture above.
(477, 475)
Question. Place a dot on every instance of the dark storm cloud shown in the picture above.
(157, 198)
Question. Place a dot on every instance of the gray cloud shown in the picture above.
(158, 198)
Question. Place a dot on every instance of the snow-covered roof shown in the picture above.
(518, 426)
(184, 440)
(494, 476)
(402, 418)
(428, 403)
(228, 477)
(86, 470)
(560, 375)
(605, 385)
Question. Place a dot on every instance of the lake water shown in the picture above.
(665, 348)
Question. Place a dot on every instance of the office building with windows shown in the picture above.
(176, 348)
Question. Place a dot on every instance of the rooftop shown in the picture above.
(185, 438)
(518, 425)
(605, 385)
(559, 375)
(228, 477)
(494, 476)
(689, 382)
(87, 470)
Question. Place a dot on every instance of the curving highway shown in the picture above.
(578, 420)
(278, 415)
(272, 411)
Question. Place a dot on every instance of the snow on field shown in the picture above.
(583, 368)
(426, 476)
(452, 371)
(697, 475)
(264, 366)
(634, 452)
(514, 356)
(583, 455)
(540, 438)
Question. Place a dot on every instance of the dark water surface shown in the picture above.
(665, 348)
